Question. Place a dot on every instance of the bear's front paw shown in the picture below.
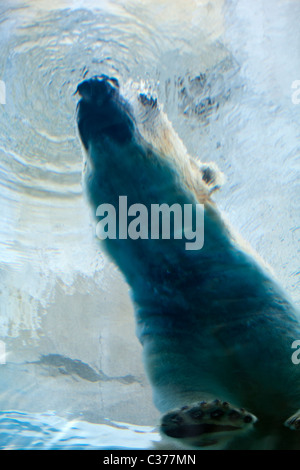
(148, 100)
(203, 423)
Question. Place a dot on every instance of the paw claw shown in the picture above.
(216, 414)
(195, 413)
(248, 419)
(293, 422)
(234, 415)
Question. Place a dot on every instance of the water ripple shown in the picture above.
(46, 431)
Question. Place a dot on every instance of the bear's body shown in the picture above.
(216, 329)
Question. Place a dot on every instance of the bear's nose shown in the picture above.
(97, 89)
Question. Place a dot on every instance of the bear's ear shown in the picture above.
(211, 176)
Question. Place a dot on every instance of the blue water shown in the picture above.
(46, 431)
(71, 374)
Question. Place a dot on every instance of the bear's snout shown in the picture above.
(98, 89)
(102, 112)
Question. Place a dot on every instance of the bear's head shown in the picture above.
(102, 111)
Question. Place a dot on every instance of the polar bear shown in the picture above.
(215, 327)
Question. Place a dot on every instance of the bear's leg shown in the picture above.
(294, 422)
(206, 423)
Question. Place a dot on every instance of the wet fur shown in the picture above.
(213, 323)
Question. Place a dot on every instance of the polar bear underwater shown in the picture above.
(216, 329)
